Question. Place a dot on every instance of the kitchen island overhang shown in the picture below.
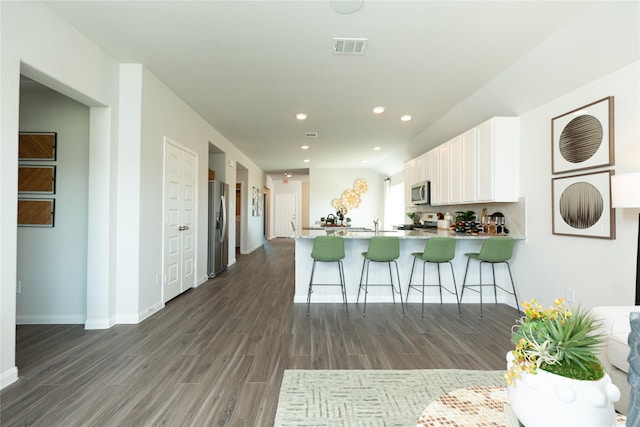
(357, 241)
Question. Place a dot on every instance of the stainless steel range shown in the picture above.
(429, 220)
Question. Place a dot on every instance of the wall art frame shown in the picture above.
(36, 146)
(583, 138)
(36, 212)
(255, 200)
(582, 205)
(33, 179)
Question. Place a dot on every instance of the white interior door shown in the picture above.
(179, 223)
(285, 211)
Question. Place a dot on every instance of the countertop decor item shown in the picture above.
(554, 374)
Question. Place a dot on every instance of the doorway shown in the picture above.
(267, 211)
(181, 170)
(285, 214)
(57, 252)
(238, 215)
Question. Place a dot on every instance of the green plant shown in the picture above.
(465, 216)
(556, 340)
(411, 215)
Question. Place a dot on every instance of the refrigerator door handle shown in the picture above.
(223, 215)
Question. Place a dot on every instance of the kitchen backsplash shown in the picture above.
(514, 213)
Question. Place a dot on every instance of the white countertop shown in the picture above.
(402, 234)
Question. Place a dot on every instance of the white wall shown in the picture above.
(36, 42)
(328, 184)
(125, 179)
(165, 115)
(218, 163)
(52, 262)
(602, 272)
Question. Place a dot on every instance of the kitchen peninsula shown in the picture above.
(357, 241)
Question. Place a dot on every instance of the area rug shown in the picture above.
(368, 397)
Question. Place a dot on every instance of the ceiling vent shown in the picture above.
(344, 46)
(311, 134)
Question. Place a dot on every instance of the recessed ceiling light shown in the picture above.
(306, 160)
(378, 110)
(377, 148)
(288, 175)
(405, 118)
(304, 147)
(363, 161)
(301, 116)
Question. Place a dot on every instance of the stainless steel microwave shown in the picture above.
(421, 193)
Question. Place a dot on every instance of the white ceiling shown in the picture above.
(248, 67)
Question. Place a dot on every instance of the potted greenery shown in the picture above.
(554, 374)
(466, 216)
(413, 216)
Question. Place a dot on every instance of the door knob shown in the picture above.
(182, 228)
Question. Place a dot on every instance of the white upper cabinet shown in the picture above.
(434, 166)
(409, 180)
(455, 170)
(469, 167)
(441, 177)
(481, 165)
(422, 168)
(497, 152)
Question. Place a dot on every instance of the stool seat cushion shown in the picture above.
(328, 248)
(439, 249)
(383, 249)
(494, 249)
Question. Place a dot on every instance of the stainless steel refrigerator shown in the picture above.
(218, 227)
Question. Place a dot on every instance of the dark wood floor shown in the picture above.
(215, 355)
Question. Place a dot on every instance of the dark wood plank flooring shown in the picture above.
(215, 355)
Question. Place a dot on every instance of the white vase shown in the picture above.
(544, 399)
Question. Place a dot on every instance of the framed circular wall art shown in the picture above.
(582, 205)
(583, 138)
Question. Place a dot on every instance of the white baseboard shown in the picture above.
(8, 377)
(150, 311)
(37, 319)
(99, 323)
(248, 251)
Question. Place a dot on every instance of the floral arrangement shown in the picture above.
(556, 340)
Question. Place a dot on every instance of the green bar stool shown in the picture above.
(438, 250)
(328, 249)
(495, 250)
(381, 249)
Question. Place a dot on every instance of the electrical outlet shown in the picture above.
(571, 295)
(18, 287)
